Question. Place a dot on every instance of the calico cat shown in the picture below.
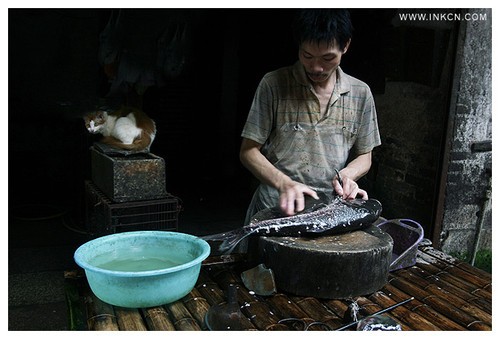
(126, 128)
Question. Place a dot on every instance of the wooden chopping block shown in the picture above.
(332, 267)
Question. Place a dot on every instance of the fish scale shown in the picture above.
(328, 215)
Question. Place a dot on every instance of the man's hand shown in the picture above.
(358, 167)
(292, 196)
(349, 190)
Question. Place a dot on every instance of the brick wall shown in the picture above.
(411, 119)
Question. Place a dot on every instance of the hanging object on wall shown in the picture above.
(171, 51)
(141, 49)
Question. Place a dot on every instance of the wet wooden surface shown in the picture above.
(448, 295)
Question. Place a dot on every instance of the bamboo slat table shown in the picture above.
(448, 295)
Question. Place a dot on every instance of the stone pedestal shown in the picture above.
(129, 178)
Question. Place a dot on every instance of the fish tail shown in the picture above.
(228, 240)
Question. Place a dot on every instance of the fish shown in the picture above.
(325, 216)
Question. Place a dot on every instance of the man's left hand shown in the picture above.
(349, 189)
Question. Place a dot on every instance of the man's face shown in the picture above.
(321, 60)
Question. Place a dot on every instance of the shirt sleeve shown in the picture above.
(368, 136)
(260, 119)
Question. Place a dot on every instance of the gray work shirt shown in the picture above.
(300, 140)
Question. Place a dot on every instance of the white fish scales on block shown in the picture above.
(328, 215)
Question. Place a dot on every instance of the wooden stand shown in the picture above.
(450, 295)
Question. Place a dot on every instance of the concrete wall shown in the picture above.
(412, 115)
(434, 165)
(467, 222)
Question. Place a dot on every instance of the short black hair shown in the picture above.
(322, 25)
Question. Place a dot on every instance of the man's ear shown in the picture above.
(346, 46)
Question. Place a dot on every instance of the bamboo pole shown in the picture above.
(461, 304)
(337, 306)
(183, 320)
(212, 293)
(458, 263)
(483, 304)
(476, 280)
(187, 324)
(101, 316)
(371, 307)
(244, 296)
(422, 309)
(277, 327)
(367, 306)
(198, 306)
(260, 315)
(355, 321)
(157, 319)
(285, 308)
(454, 280)
(439, 304)
(317, 311)
(458, 302)
(129, 319)
(414, 320)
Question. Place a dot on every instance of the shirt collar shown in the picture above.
(343, 84)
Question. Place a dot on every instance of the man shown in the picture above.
(307, 119)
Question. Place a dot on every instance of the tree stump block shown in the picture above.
(333, 267)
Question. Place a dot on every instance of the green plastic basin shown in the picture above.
(143, 268)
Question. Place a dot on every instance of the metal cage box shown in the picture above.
(104, 216)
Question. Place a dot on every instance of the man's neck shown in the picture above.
(327, 86)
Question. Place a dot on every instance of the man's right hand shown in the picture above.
(292, 196)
